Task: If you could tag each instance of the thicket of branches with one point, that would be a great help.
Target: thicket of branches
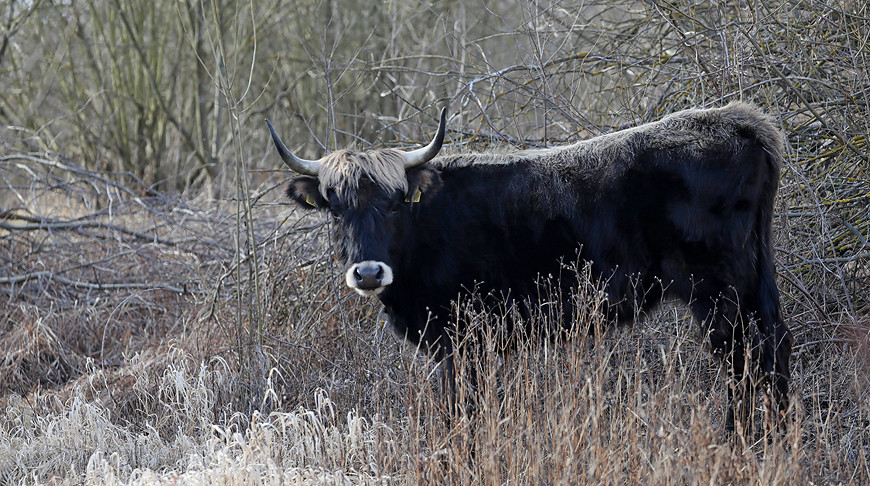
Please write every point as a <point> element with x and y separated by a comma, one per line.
<point>154,92</point>
<point>147,263</point>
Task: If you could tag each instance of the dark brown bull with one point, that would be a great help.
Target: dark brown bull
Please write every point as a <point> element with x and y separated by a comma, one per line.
<point>679,208</point>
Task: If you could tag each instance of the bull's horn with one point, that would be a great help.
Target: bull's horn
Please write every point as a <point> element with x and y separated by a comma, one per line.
<point>302,166</point>
<point>414,158</point>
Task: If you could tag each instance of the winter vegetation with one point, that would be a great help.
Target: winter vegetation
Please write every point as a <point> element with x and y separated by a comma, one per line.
<point>166,316</point>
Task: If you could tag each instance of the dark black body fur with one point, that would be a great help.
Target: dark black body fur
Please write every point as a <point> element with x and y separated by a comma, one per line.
<point>682,207</point>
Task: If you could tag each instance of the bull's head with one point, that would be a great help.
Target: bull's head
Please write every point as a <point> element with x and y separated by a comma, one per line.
<point>370,196</point>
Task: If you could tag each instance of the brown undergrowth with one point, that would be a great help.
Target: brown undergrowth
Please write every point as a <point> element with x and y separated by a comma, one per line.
<point>135,367</point>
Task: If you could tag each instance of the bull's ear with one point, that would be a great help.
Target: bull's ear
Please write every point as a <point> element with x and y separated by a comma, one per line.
<point>305,190</point>
<point>423,183</point>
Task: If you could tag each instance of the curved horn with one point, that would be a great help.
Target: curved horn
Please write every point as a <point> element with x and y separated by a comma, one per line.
<point>302,166</point>
<point>420,156</point>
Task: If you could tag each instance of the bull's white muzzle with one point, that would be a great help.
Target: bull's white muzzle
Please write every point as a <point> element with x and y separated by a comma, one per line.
<point>369,278</point>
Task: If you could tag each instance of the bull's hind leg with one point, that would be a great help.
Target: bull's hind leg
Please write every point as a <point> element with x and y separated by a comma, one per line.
<point>775,347</point>
<point>728,329</point>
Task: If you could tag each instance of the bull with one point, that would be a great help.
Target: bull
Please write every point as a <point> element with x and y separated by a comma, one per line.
<point>677,208</point>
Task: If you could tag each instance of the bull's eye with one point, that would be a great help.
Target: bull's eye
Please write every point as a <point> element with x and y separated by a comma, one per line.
<point>394,208</point>
<point>335,205</point>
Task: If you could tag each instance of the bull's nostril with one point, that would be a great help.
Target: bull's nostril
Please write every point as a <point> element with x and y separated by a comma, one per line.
<point>380,274</point>
<point>357,275</point>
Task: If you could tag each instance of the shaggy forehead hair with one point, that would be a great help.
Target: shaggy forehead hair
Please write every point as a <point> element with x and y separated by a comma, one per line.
<point>342,170</point>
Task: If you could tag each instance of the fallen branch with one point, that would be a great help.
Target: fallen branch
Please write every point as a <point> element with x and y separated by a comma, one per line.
<point>45,159</point>
<point>37,224</point>
<point>96,286</point>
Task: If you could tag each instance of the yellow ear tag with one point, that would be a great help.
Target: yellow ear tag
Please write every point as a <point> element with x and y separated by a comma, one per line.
<point>310,201</point>
<point>417,195</point>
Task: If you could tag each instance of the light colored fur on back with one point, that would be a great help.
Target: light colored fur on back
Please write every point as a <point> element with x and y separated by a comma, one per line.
<point>693,129</point>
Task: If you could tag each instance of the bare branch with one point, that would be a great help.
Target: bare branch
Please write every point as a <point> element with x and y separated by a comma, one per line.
<point>39,224</point>
<point>17,279</point>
